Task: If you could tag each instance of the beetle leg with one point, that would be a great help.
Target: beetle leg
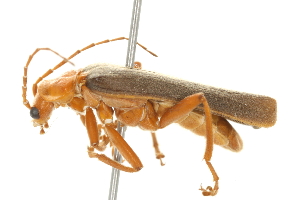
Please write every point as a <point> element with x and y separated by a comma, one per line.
<point>181,109</point>
<point>209,191</point>
<point>125,150</point>
<point>150,122</point>
<point>110,162</point>
<point>159,155</point>
<point>115,138</point>
<point>91,126</point>
<point>103,139</point>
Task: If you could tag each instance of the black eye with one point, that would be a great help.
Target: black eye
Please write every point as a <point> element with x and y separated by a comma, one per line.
<point>34,113</point>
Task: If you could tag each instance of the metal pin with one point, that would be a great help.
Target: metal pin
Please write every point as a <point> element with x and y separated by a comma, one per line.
<point>136,11</point>
<point>115,173</point>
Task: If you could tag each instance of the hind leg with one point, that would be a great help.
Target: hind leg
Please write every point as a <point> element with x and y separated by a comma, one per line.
<point>180,110</point>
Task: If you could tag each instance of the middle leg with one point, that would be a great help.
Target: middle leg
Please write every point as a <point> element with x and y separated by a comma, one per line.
<point>158,153</point>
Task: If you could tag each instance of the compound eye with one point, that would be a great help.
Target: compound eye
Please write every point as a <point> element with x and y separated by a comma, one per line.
<point>34,113</point>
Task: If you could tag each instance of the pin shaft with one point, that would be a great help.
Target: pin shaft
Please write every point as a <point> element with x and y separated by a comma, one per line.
<point>115,174</point>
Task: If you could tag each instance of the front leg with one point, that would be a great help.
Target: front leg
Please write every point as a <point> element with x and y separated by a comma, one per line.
<point>116,139</point>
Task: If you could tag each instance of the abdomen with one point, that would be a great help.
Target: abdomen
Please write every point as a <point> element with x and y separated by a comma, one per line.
<point>224,133</point>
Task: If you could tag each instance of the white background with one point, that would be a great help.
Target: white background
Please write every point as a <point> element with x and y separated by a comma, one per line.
<point>250,46</point>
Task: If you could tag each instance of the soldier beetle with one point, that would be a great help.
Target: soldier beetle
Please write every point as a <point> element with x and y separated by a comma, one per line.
<point>149,100</point>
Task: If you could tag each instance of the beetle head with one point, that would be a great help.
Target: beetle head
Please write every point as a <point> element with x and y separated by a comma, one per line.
<point>41,112</point>
<point>50,94</point>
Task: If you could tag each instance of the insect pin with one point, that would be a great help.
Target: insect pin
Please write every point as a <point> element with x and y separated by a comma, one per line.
<point>149,100</point>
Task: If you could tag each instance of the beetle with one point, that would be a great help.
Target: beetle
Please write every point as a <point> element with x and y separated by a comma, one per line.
<point>149,100</point>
